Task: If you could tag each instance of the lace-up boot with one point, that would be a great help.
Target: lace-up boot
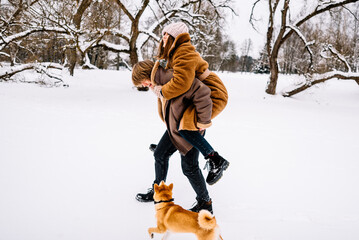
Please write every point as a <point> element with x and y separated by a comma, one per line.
<point>201,204</point>
<point>216,164</point>
<point>145,197</point>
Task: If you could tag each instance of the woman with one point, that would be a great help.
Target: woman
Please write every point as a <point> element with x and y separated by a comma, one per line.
<point>181,56</point>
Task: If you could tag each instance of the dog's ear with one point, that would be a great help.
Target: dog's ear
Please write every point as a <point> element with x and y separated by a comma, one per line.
<point>155,187</point>
<point>171,186</point>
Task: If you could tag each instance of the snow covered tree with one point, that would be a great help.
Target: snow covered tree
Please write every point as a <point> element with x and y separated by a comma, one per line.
<point>144,22</point>
<point>246,61</point>
<point>17,24</point>
<point>262,65</point>
<point>214,47</point>
<point>90,29</point>
<point>281,28</point>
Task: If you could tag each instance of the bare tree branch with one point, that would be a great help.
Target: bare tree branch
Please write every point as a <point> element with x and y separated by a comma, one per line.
<point>325,6</point>
<point>125,10</point>
<point>306,43</point>
<point>5,74</point>
<point>21,35</point>
<point>80,11</point>
<point>339,56</point>
<point>320,78</point>
<point>251,18</point>
<point>20,8</point>
<point>273,46</point>
<point>42,68</point>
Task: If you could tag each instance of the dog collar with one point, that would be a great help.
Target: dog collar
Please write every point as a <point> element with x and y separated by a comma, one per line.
<point>162,201</point>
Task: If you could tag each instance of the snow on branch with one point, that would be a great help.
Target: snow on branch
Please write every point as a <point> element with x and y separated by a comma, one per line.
<point>19,9</point>
<point>322,6</point>
<point>7,73</point>
<point>47,77</point>
<point>5,54</point>
<point>150,34</point>
<point>119,33</point>
<point>329,3</point>
<point>330,48</point>
<point>320,78</point>
<point>306,43</point>
<point>167,15</point>
<point>4,41</point>
<point>87,64</point>
<point>113,47</point>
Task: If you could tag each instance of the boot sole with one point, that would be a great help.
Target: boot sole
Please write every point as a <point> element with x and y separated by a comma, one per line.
<point>142,200</point>
<point>225,166</point>
<point>200,210</point>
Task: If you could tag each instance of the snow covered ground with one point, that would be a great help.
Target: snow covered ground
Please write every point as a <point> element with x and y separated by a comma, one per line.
<point>72,160</point>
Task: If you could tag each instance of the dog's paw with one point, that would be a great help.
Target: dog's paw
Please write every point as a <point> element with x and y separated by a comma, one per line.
<point>150,233</point>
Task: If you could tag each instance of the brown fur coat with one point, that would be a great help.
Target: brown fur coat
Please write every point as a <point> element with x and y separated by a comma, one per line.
<point>171,111</point>
<point>188,64</point>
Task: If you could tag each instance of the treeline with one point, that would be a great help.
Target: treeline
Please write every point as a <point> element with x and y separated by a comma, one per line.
<point>111,34</point>
<point>106,34</point>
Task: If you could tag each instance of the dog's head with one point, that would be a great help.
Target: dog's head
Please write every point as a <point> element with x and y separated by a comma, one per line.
<point>162,192</point>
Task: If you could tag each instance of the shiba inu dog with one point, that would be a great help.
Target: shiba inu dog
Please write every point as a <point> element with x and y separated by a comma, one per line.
<point>173,218</point>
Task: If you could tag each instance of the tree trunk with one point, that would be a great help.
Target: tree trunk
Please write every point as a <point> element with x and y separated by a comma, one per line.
<point>273,55</point>
<point>133,55</point>
<point>72,57</point>
<point>273,79</point>
<point>133,42</point>
<point>71,60</point>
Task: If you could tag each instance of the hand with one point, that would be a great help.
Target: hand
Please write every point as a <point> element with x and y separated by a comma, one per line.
<point>157,90</point>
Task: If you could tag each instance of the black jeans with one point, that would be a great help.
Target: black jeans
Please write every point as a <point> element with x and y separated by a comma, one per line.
<point>198,141</point>
<point>189,162</point>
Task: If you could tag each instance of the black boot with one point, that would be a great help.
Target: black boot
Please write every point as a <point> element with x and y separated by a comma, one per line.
<point>217,165</point>
<point>201,204</point>
<point>153,147</point>
<point>145,197</point>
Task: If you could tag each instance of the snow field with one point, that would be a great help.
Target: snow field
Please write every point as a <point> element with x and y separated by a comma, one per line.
<point>72,160</point>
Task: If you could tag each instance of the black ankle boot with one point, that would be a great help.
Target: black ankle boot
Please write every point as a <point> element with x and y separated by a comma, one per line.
<point>217,165</point>
<point>145,197</point>
<point>153,147</point>
<point>202,205</point>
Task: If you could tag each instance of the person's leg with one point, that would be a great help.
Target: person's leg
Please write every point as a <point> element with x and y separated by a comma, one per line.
<point>192,171</point>
<point>162,153</point>
<point>164,150</point>
<point>198,141</point>
<point>216,163</point>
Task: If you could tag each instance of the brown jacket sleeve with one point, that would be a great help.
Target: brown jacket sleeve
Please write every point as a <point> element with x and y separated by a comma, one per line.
<point>201,98</point>
<point>184,65</point>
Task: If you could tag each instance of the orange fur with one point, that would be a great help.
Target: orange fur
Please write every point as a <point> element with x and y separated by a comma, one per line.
<point>173,218</point>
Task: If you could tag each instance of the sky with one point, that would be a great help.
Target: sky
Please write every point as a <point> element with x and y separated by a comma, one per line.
<point>239,28</point>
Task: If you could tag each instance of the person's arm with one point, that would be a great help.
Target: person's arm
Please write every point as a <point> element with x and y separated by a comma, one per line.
<point>203,104</point>
<point>184,71</point>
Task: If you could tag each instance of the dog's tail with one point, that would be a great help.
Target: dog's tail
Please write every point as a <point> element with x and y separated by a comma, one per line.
<point>206,220</point>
